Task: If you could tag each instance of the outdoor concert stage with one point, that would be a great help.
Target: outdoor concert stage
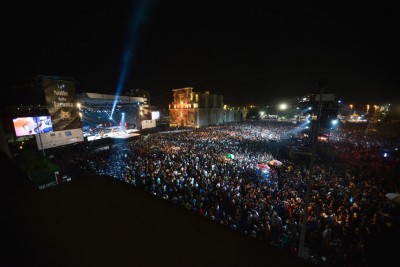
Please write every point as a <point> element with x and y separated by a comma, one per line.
<point>113,132</point>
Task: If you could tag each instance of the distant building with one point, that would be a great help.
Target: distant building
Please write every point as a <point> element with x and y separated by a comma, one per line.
<point>195,109</point>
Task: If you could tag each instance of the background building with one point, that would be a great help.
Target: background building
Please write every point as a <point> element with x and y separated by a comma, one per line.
<point>195,109</point>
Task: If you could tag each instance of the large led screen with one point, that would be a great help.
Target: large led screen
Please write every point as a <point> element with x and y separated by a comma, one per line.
<point>155,115</point>
<point>32,125</point>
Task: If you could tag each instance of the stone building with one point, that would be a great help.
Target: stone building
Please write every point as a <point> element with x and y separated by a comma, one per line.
<point>195,109</point>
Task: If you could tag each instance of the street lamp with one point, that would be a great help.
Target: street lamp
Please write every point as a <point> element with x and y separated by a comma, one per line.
<point>283,106</point>
<point>306,203</point>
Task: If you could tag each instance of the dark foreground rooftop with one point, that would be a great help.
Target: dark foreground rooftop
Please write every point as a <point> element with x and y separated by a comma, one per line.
<point>99,221</point>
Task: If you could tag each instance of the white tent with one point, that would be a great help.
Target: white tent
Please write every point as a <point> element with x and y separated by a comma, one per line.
<point>275,162</point>
<point>393,196</point>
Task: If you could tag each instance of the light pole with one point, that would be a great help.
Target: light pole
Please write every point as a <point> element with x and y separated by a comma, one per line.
<point>282,107</point>
<point>302,252</point>
<point>40,135</point>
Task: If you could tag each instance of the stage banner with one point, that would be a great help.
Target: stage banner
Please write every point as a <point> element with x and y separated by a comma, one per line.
<point>60,138</point>
<point>61,103</point>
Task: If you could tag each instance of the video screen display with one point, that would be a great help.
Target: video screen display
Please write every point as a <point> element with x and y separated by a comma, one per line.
<point>155,115</point>
<point>32,125</point>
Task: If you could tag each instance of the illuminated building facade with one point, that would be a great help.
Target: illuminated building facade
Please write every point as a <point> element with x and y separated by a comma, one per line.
<point>195,109</point>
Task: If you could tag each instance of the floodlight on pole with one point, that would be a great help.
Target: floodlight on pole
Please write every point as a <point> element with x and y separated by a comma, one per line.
<point>283,106</point>
<point>302,251</point>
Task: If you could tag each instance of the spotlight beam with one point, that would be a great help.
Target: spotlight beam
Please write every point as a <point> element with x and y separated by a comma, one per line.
<point>139,13</point>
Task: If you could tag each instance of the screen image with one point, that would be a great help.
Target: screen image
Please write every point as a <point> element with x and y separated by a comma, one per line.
<point>32,125</point>
<point>155,115</point>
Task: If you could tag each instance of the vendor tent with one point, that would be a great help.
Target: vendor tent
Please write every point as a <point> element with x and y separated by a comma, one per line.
<point>394,197</point>
<point>263,166</point>
<point>275,162</point>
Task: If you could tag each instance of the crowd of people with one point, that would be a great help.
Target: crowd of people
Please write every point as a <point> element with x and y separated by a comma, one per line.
<point>348,214</point>
<point>375,145</point>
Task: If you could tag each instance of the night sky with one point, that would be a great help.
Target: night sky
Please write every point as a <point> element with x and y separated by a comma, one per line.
<point>252,53</point>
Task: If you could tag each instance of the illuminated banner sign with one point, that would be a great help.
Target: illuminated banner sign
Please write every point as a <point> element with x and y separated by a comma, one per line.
<point>61,103</point>
<point>148,124</point>
<point>60,138</point>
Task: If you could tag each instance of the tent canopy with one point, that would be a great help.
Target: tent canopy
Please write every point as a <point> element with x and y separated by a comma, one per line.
<point>275,162</point>
<point>263,166</point>
<point>394,197</point>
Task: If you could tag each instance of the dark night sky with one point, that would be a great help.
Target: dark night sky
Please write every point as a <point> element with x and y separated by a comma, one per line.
<point>252,53</point>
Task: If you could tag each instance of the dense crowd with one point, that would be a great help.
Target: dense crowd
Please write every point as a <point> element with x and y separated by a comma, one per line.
<point>348,214</point>
<point>375,145</point>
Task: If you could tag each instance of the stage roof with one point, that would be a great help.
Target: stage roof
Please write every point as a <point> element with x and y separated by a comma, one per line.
<point>93,97</point>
